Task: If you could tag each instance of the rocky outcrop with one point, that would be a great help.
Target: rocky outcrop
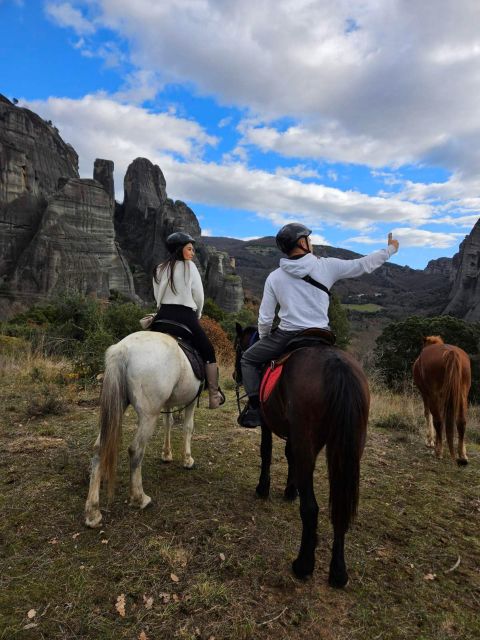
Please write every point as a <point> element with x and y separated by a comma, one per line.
<point>464,299</point>
<point>74,248</point>
<point>223,285</point>
<point>103,173</point>
<point>440,266</point>
<point>33,158</point>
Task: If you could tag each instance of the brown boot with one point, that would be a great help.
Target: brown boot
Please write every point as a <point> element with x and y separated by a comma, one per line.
<point>215,394</point>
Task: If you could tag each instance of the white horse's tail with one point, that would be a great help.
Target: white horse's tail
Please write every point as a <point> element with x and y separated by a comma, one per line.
<point>113,402</point>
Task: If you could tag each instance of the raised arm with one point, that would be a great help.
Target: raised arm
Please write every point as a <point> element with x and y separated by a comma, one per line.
<point>354,268</point>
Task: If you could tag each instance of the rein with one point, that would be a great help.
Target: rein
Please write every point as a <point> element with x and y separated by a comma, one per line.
<point>239,352</point>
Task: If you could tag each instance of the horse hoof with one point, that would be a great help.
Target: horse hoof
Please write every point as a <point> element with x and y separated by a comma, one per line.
<point>167,459</point>
<point>262,491</point>
<point>338,581</point>
<point>290,493</point>
<point>145,502</point>
<point>93,521</point>
<point>462,462</point>
<point>300,570</point>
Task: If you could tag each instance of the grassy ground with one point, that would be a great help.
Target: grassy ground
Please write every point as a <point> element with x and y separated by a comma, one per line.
<point>210,561</point>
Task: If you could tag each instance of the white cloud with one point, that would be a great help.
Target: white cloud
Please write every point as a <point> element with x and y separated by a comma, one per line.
<point>65,15</point>
<point>400,86</point>
<point>409,237</point>
<point>299,171</point>
<point>98,126</point>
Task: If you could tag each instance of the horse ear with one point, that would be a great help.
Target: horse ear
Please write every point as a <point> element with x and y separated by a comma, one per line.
<point>238,328</point>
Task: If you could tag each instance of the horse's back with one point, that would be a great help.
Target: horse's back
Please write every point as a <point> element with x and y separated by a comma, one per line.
<point>429,369</point>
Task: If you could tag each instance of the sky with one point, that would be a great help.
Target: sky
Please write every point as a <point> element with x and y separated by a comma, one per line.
<point>355,117</point>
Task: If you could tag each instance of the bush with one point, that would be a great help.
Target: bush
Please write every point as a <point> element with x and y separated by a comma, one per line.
<point>339,322</point>
<point>212,310</point>
<point>222,345</point>
<point>48,402</point>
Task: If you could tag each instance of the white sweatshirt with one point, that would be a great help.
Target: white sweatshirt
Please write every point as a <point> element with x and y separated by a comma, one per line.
<point>188,285</point>
<point>302,305</point>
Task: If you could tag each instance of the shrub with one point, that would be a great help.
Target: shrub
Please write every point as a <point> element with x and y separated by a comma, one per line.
<point>339,322</point>
<point>47,402</point>
<point>222,344</point>
<point>212,310</point>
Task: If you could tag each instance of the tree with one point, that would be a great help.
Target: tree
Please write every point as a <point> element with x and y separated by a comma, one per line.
<point>339,322</point>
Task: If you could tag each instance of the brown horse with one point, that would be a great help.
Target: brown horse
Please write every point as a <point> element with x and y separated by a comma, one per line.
<point>442,373</point>
<point>321,399</point>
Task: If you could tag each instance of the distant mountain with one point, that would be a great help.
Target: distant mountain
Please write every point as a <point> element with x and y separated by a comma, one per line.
<point>400,291</point>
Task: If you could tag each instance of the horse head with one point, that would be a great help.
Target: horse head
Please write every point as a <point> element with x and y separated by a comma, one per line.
<point>244,338</point>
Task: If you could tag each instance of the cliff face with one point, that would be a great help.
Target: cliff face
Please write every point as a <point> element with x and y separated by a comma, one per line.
<point>464,298</point>
<point>74,248</point>
<point>32,159</point>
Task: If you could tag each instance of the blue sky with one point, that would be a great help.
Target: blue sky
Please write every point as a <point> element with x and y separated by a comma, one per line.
<point>356,118</point>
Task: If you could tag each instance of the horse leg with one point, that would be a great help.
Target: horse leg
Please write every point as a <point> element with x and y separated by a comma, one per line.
<point>167,449</point>
<point>438,426</point>
<point>263,486</point>
<point>146,426</point>
<point>430,434</point>
<point>290,492</point>
<point>462,459</point>
<point>304,564</point>
<point>338,576</point>
<point>93,517</point>
<point>188,461</point>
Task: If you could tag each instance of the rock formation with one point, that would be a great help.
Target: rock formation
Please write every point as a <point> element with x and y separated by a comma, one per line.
<point>59,232</point>
<point>74,248</point>
<point>32,159</point>
<point>440,266</point>
<point>464,299</point>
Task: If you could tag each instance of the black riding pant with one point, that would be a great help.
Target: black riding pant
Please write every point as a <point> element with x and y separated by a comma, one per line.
<point>188,317</point>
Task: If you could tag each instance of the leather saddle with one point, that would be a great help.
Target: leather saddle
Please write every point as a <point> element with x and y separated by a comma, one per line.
<point>307,338</point>
<point>184,338</point>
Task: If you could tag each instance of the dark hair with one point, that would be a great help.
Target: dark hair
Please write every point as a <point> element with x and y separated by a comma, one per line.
<point>169,265</point>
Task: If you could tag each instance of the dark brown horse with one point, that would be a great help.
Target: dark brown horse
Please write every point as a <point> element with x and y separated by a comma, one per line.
<point>322,399</point>
<point>442,374</point>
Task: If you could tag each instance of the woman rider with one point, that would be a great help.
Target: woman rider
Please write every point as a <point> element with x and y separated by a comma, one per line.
<point>178,291</point>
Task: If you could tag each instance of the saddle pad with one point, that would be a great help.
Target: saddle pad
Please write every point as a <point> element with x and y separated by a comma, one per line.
<point>196,362</point>
<point>269,380</point>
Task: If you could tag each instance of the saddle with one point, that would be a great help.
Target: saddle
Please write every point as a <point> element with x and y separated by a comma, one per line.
<point>307,338</point>
<point>183,336</point>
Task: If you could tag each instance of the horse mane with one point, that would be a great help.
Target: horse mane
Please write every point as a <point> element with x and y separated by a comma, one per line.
<point>432,340</point>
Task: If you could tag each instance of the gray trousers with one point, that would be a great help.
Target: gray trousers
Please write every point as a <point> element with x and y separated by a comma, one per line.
<point>266,349</point>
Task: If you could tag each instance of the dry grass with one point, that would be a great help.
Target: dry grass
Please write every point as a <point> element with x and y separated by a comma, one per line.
<point>209,560</point>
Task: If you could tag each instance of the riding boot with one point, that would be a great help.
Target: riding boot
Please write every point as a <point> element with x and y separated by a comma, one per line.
<point>215,394</point>
<point>250,416</point>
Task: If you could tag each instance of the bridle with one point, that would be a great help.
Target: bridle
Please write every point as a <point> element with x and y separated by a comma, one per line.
<point>239,351</point>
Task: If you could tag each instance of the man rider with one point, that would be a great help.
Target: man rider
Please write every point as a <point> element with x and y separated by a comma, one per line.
<point>303,305</point>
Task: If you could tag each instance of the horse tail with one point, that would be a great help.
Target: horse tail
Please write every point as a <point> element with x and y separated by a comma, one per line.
<point>452,392</point>
<point>113,402</point>
<point>347,413</point>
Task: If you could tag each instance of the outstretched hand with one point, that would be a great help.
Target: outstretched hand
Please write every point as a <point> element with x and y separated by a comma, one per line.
<point>393,242</point>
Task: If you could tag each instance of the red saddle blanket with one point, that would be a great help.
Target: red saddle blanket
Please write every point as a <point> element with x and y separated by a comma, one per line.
<point>269,380</point>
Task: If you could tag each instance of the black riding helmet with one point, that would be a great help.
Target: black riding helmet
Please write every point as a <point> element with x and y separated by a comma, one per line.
<point>290,234</point>
<point>178,240</point>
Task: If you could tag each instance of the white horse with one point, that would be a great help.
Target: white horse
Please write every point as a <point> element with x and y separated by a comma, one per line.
<point>148,370</point>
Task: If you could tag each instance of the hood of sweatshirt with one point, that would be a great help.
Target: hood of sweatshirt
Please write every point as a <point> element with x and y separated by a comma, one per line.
<point>299,268</point>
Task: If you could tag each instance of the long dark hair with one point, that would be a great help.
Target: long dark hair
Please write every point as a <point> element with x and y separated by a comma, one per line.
<point>169,265</point>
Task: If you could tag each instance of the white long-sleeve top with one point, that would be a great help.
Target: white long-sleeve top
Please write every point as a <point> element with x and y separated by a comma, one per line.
<point>303,305</point>
<point>188,285</point>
